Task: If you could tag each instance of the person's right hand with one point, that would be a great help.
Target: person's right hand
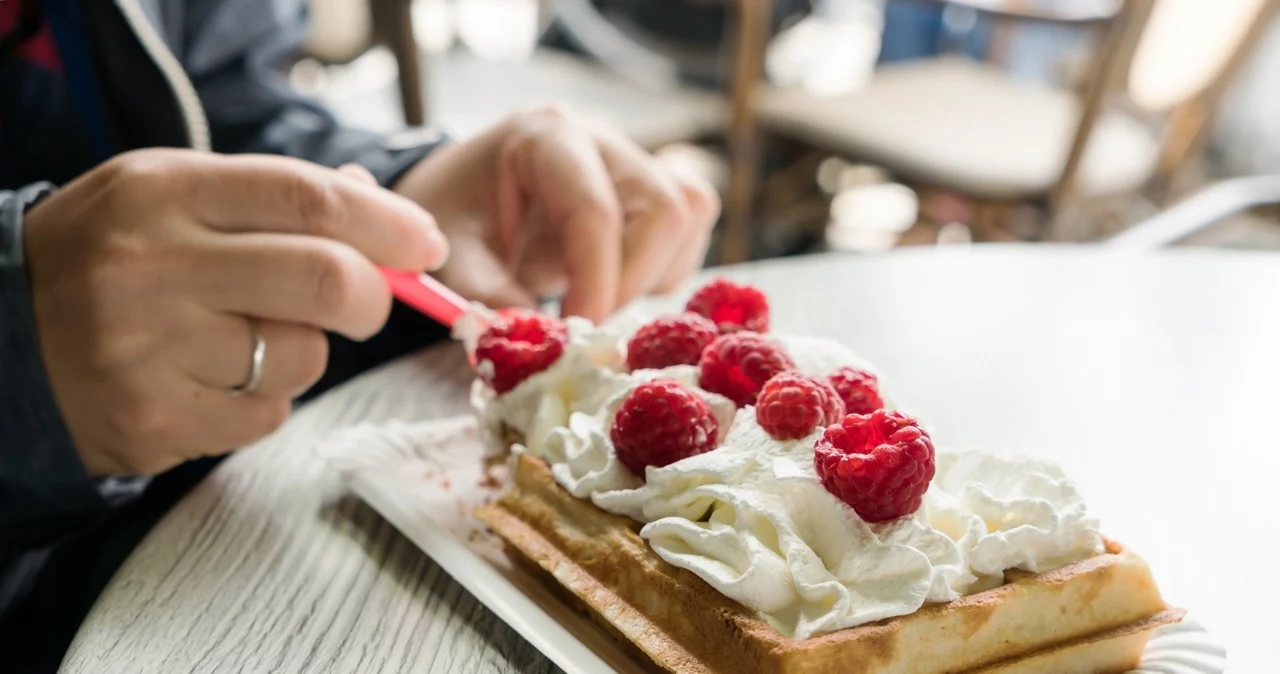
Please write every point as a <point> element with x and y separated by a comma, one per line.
<point>149,273</point>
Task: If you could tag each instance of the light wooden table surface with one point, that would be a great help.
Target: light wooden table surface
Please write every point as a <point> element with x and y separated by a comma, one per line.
<point>1153,380</point>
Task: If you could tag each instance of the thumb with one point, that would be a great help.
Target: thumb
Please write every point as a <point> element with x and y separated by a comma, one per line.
<point>474,272</point>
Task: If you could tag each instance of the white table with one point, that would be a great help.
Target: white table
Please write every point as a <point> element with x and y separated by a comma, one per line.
<point>1153,380</point>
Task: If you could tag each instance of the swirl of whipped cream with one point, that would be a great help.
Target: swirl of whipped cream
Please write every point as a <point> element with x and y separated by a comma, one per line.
<point>1020,513</point>
<point>580,453</point>
<point>751,517</point>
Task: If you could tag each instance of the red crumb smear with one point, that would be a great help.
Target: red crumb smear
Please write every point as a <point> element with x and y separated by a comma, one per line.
<point>446,484</point>
<point>492,462</point>
<point>492,476</point>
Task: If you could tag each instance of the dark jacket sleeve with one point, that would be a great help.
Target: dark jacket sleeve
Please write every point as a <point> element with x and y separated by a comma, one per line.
<point>233,51</point>
<point>44,489</point>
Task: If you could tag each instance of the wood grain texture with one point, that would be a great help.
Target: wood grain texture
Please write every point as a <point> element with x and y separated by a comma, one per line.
<point>1150,379</point>
<point>270,566</point>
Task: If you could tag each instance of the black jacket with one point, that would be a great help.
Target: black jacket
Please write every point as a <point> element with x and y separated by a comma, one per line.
<point>171,73</point>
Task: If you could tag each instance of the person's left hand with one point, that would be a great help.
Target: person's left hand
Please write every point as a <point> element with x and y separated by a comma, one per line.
<point>549,202</point>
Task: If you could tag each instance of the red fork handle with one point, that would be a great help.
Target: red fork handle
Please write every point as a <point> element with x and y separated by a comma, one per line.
<point>427,295</point>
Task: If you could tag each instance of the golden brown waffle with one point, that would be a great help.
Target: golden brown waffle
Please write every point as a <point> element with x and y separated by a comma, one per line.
<point>1094,616</point>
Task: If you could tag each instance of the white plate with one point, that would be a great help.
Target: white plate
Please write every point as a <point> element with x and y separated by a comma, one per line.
<point>427,478</point>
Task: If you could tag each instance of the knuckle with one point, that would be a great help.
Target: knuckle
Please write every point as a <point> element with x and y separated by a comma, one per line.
<point>606,212</point>
<point>554,111</point>
<point>704,202</point>
<point>136,163</point>
<point>332,280</point>
<point>138,174</point>
<point>317,202</point>
<point>542,118</point>
<point>312,352</point>
<point>673,211</point>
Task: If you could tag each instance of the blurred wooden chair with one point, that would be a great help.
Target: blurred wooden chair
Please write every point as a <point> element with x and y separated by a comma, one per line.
<point>966,127</point>
<point>465,93</point>
<point>344,30</point>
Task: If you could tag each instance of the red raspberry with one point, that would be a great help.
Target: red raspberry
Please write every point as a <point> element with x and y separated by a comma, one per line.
<point>661,422</point>
<point>859,389</point>
<point>792,404</point>
<point>879,463</point>
<point>731,306</point>
<point>671,340</point>
<point>737,365</point>
<point>518,344</point>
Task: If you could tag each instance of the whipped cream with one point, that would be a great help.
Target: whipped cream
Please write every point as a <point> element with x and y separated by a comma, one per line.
<point>752,519</point>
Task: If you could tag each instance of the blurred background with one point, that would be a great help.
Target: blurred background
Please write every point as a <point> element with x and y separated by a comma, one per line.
<point>863,125</point>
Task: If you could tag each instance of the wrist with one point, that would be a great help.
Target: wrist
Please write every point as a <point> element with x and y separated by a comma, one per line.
<point>46,463</point>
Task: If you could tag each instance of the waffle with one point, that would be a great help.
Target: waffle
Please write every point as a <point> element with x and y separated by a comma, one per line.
<point>1093,616</point>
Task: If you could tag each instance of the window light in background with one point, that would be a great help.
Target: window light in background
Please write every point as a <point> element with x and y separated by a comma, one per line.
<point>435,25</point>
<point>831,52</point>
<point>1184,47</point>
<point>340,30</point>
<point>868,211</point>
<point>500,30</point>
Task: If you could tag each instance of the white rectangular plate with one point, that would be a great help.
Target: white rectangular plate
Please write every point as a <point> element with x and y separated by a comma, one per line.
<point>427,479</point>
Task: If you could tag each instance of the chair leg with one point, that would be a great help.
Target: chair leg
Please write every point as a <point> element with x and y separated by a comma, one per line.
<point>393,22</point>
<point>750,38</point>
<point>736,244</point>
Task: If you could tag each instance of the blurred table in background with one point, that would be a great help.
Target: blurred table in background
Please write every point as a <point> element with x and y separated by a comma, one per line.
<point>1150,378</point>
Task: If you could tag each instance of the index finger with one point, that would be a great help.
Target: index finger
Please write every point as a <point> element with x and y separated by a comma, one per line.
<point>278,194</point>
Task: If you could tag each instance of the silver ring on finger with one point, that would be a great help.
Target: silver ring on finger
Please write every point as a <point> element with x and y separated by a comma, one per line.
<point>256,361</point>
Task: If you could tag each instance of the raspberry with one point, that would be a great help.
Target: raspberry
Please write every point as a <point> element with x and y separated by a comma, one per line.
<point>661,422</point>
<point>792,404</point>
<point>860,390</point>
<point>879,463</point>
<point>737,365</point>
<point>672,340</point>
<point>731,307</point>
<point>518,344</point>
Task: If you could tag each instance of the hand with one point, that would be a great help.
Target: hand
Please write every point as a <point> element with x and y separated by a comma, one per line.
<point>149,273</point>
<point>551,202</point>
